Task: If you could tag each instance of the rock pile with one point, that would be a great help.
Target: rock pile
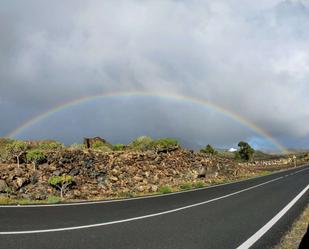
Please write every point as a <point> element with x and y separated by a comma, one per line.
<point>100,175</point>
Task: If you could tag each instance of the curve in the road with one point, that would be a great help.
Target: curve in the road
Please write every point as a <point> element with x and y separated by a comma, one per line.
<point>153,214</point>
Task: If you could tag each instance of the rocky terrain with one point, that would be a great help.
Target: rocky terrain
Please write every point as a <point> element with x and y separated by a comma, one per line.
<point>99,175</point>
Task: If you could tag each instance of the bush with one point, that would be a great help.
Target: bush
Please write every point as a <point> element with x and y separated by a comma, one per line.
<point>199,185</point>
<point>165,190</point>
<point>164,143</point>
<point>185,186</point>
<point>99,145</point>
<point>50,146</point>
<point>142,143</point>
<point>209,150</point>
<point>117,147</point>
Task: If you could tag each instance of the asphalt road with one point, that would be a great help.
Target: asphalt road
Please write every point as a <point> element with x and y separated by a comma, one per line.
<point>253,213</point>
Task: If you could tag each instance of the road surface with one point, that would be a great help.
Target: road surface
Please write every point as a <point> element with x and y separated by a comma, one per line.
<point>248,214</point>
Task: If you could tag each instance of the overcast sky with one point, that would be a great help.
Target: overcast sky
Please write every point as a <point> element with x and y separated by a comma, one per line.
<point>250,57</point>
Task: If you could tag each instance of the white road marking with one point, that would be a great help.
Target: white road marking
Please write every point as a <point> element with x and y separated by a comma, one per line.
<point>255,237</point>
<point>144,197</point>
<point>139,217</point>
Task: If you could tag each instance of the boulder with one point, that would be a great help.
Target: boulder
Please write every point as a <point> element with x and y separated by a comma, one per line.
<point>74,172</point>
<point>21,182</point>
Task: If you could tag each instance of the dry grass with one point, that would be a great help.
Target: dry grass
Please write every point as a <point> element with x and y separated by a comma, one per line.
<point>292,238</point>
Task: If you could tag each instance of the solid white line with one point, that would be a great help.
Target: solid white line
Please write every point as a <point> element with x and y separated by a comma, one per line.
<point>139,217</point>
<point>145,197</point>
<point>255,237</point>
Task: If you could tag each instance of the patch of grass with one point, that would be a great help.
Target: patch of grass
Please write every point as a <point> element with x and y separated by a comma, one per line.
<point>53,199</point>
<point>126,195</point>
<point>198,185</point>
<point>298,230</point>
<point>5,200</point>
<point>263,173</point>
<point>165,190</point>
<point>185,186</point>
<point>11,201</point>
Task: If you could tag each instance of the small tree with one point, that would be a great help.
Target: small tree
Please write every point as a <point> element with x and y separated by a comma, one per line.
<point>209,150</point>
<point>17,149</point>
<point>35,156</point>
<point>61,182</point>
<point>245,151</point>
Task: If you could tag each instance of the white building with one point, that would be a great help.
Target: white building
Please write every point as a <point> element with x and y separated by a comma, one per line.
<point>232,150</point>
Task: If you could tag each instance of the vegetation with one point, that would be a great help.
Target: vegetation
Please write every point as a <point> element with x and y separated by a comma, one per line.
<point>17,149</point>
<point>293,238</point>
<point>23,201</point>
<point>245,151</point>
<point>118,147</point>
<point>99,145</point>
<point>142,143</point>
<point>209,150</point>
<point>126,194</point>
<point>4,153</point>
<point>164,143</point>
<point>62,183</point>
<point>8,190</point>
<point>165,190</point>
<point>185,186</point>
<point>36,156</point>
<point>77,146</point>
<point>198,185</point>
<point>50,145</point>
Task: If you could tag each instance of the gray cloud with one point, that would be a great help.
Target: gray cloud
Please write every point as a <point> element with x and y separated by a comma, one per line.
<point>251,58</point>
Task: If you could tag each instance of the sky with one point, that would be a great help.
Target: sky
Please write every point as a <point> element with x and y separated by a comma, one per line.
<point>248,57</point>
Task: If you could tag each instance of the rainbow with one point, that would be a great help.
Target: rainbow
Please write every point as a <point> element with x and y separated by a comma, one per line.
<point>194,100</point>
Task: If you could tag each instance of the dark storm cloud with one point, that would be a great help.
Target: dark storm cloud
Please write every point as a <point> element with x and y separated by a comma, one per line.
<point>251,58</point>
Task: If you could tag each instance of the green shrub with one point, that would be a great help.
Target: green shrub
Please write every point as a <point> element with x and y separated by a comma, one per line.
<point>62,183</point>
<point>164,143</point>
<point>117,147</point>
<point>99,145</point>
<point>185,186</point>
<point>142,143</point>
<point>165,190</point>
<point>199,185</point>
<point>8,191</point>
<point>50,146</point>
